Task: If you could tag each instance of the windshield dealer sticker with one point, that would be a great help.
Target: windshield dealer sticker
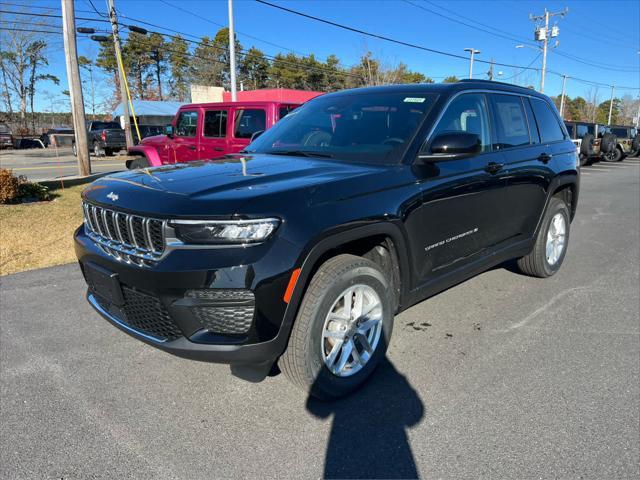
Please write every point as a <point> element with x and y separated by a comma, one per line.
<point>414,99</point>
<point>451,239</point>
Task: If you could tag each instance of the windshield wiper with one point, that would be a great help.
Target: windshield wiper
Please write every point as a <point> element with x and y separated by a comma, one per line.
<point>300,153</point>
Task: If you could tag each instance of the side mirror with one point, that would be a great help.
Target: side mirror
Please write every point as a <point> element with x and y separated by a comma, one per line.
<point>255,135</point>
<point>168,131</point>
<point>452,146</point>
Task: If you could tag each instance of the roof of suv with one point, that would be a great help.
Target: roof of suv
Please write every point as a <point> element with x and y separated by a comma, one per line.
<point>466,84</point>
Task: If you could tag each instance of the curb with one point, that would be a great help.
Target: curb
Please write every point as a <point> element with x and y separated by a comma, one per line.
<point>71,181</point>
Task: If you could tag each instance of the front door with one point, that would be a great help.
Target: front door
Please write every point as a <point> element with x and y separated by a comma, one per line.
<point>185,140</point>
<point>214,143</point>
<point>461,210</point>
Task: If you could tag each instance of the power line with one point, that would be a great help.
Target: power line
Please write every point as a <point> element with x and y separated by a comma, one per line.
<point>29,30</point>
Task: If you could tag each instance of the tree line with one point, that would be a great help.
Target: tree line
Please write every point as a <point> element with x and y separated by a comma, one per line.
<point>163,69</point>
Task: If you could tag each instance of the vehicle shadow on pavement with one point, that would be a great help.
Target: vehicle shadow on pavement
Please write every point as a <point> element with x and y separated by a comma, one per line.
<point>368,436</point>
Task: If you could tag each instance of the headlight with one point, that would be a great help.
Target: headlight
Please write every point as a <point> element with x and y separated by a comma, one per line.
<point>224,231</point>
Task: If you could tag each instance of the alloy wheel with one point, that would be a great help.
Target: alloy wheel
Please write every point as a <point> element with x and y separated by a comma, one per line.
<point>556,237</point>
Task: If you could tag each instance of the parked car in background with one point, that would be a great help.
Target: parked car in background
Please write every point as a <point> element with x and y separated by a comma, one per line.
<point>628,142</point>
<point>104,138</point>
<point>6,137</point>
<point>148,131</point>
<point>592,141</point>
<point>49,137</point>
<point>208,130</point>
<point>299,251</point>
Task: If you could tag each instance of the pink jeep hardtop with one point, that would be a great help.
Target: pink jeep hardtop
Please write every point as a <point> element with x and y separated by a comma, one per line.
<point>202,131</point>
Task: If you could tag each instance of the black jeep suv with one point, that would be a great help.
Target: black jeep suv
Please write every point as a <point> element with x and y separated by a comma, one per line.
<point>296,254</point>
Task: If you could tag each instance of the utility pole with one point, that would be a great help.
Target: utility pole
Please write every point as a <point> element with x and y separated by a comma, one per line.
<point>490,72</point>
<point>611,104</point>
<point>75,87</point>
<point>232,53</point>
<point>564,84</point>
<point>543,34</point>
<point>472,52</point>
<point>123,87</point>
<point>638,117</point>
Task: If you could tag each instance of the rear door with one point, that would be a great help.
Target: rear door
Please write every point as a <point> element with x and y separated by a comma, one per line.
<point>525,167</point>
<point>214,142</point>
<point>246,122</point>
<point>185,140</point>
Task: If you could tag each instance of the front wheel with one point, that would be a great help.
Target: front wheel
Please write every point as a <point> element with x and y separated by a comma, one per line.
<point>342,329</point>
<point>551,242</point>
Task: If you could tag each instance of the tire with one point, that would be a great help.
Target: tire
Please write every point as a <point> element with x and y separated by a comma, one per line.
<point>305,360</point>
<point>584,160</point>
<point>140,162</point>
<point>97,151</point>
<point>537,263</point>
<point>608,143</point>
<point>74,149</point>
<point>586,146</point>
<point>635,146</point>
<point>615,156</point>
<point>108,152</point>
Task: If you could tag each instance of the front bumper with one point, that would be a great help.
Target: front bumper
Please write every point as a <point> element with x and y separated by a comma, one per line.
<point>165,292</point>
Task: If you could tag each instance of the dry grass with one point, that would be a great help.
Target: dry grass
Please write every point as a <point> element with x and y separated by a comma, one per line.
<point>36,235</point>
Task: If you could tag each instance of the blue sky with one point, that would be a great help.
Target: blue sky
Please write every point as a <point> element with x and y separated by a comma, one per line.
<point>583,33</point>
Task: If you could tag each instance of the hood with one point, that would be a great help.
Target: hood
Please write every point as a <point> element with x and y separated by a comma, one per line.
<point>153,140</point>
<point>219,187</point>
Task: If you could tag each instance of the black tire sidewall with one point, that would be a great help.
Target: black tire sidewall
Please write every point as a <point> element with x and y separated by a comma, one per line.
<point>326,384</point>
<point>555,206</point>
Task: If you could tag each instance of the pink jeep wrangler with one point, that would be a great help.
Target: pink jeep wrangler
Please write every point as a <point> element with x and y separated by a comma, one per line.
<point>208,130</point>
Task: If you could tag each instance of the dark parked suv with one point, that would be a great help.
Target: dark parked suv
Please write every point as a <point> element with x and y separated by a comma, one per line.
<point>296,253</point>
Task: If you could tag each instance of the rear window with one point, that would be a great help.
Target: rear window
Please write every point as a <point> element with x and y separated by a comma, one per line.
<point>510,123</point>
<point>105,125</point>
<point>548,125</point>
<point>619,132</point>
<point>582,130</point>
<point>249,121</point>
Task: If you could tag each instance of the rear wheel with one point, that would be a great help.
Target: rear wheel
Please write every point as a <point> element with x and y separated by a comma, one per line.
<point>551,243</point>
<point>342,329</point>
<point>74,149</point>
<point>108,152</point>
<point>97,151</point>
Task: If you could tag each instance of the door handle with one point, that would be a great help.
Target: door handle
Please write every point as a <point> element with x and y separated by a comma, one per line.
<point>544,157</point>
<point>191,147</point>
<point>218,149</point>
<point>493,167</point>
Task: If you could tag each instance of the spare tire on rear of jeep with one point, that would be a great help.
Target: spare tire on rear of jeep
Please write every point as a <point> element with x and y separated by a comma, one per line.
<point>635,146</point>
<point>608,143</point>
<point>586,148</point>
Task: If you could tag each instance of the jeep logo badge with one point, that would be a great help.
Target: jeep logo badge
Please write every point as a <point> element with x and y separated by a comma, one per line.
<point>112,196</point>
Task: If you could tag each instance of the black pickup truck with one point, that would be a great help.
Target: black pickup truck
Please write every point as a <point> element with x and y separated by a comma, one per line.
<point>296,253</point>
<point>104,138</point>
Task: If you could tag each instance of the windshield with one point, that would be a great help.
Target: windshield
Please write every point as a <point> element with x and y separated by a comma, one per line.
<point>370,127</point>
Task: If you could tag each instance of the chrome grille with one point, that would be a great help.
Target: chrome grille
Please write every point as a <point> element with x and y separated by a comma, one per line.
<point>128,238</point>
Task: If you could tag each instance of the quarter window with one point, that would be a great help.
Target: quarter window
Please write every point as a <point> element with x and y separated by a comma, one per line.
<point>249,121</point>
<point>510,123</point>
<point>187,124</point>
<point>548,125</point>
<point>467,113</point>
<point>215,123</point>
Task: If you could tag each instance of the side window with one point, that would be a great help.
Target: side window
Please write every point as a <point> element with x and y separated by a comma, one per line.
<point>187,124</point>
<point>249,121</point>
<point>570,129</point>
<point>285,109</point>
<point>550,130</point>
<point>510,123</point>
<point>467,113</point>
<point>215,123</point>
<point>582,130</point>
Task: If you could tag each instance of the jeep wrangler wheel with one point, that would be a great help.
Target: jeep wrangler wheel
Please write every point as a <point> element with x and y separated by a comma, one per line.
<point>551,242</point>
<point>342,329</point>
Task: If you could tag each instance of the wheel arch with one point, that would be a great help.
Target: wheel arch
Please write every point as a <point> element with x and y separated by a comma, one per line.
<point>150,153</point>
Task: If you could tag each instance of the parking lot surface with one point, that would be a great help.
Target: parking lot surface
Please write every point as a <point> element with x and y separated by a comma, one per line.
<point>51,163</point>
<point>502,376</point>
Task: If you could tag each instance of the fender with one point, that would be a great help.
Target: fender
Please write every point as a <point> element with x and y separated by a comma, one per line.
<point>569,177</point>
<point>335,239</point>
<point>147,151</point>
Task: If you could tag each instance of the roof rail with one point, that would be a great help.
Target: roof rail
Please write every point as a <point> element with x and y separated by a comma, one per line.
<point>493,82</point>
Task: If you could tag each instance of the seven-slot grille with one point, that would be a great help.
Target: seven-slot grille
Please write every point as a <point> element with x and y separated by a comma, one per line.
<point>128,238</point>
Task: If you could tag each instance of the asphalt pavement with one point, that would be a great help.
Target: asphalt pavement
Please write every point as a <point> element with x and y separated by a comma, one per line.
<point>39,164</point>
<point>503,376</point>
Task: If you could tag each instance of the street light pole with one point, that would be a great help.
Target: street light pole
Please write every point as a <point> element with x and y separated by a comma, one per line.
<point>564,83</point>
<point>232,53</point>
<point>472,52</point>
<point>611,105</point>
<point>75,87</point>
